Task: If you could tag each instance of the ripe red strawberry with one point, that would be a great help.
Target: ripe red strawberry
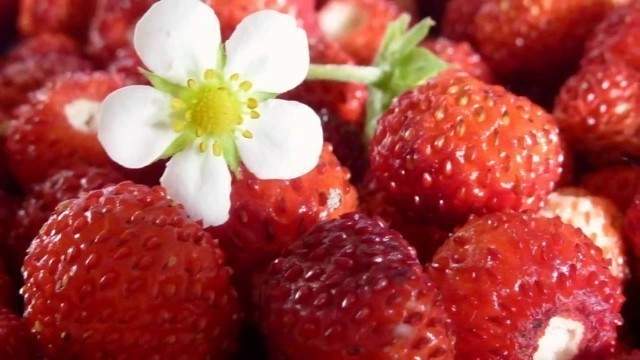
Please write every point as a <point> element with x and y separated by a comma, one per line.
<point>462,57</point>
<point>459,17</point>
<point>346,100</point>
<point>597,217</point>
<point>348,144</point>
<point>456,146</point>
<point>57,129</point>
<point>616,37</point>
<point>16,341</point>
<point>598,112</point>
<point>353,289</point>
<point>55,16</point>
<point>268,215</point>
<point>43,199</point>
<point>231,12</point>
<point>35,61</point>
<point>618,184</point>
<point>358,25</point>
<point>520,286</point>
<point>123,273</point>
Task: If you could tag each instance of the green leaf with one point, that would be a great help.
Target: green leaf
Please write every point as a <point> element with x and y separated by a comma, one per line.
<point>414,69</point>
<point>394,31</point>
<point>165,85</point>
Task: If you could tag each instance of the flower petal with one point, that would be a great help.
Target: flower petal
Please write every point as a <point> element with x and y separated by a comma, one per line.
<point>202,183</point>
<point>134,126</point>
<point>269,50</point>
<point>178,39</point>
<point>286,143</point>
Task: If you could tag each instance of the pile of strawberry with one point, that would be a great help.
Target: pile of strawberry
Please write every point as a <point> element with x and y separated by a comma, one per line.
<point>493,214</point>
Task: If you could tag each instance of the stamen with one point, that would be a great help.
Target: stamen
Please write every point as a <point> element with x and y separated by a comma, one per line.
<point>178,126</point>
<point>252,103</point>
<point>192,84</point>
<point>203,147</point>
<point>247,134</point>
<point>255,114</point>
<point>246,86</point>
<point>235,77</point>
<point>199,132</point>
<point>177,104</point>
<point>209,74</point>
<point>217,149</point>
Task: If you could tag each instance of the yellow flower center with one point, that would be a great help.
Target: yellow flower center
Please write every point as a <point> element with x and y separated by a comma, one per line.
<point>216,111</point>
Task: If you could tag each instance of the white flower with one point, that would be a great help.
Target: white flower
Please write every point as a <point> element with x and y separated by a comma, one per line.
<point>213,106</point>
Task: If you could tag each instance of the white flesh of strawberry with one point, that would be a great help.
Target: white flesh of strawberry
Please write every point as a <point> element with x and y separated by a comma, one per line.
<point>82,115</point>
<point>339,18</point>
<point>561,340</point>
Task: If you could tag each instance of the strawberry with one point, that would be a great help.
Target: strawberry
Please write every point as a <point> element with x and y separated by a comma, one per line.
<point>127,64</point>
<point>347,142</point>
<point>456,146</point>
<point>231,12</point>
<point>344,99</point>
<point>598,112</point>
<point>8,293</point>
<point>33,62</point>
<point>461,57</point>
<point>520,286</point>
<point>352,289</point>
<point>458,18</point>
<point>55,16</point>
<point>268,215</point>
<point>618,184</point>
<point>123,273</point>
<point>43,199</point>
<point>16,341</point>
<point>597,217</point>
<point>57,129</point>
<point>358,25</point>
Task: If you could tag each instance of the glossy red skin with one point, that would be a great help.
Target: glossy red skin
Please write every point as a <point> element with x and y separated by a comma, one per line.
<point>619,184</point>
<point>505,275</point>
<point>42,140</point>
<point>35,61</point>
<point>616,38</point>
<point>127,275</point>
<point>598,112</point>
<point>70,17</point>
<point>43,199</point>
<point>455,146</point>
<point>16,341</point>
<point>461,57</point>
<point>363,40</point>
<point>341,291</point>
<point>268,215</point>
<point>344,99</point>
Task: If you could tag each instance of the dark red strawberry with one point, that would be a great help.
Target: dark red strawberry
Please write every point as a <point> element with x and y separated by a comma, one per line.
<point>461,57</point>
<point>36,61</point>
<point>123,273</point>
<point>348,144</point>
<point>16,341</point>
<point>632,225</point>
<point>520,286</point>
<point>8,208</point>
<point>8,293</point>
<point>358,25</point>
<point>346,100</point>
<point>352,289</point>
<point>43,199</point>
<point>598,112</point>
<point>618,184</point>
<point>57,129</point>
<point>55,16</point>
<point>456,146</point>
<point>459,17</point>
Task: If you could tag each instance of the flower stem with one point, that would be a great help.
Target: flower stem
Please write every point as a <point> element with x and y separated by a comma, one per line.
<point>349,73</point>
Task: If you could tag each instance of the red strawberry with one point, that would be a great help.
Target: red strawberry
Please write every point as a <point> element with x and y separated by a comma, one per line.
<point>123,273</point>
<point>458,19</point>
<point>35,61</point>
<point>598,112</point>
<point>268,215</point>
<point>346,100</point>
<point>358,25</point>
<point>348,144</point>
<point>520,286</point>
<point>618,184</point>
<point>353,289</point>
<point>456,146</point>
<point>43,199</point>
<point>55,16</point>
<point>231,12</point>
<point>462,57</point>
<point>597,217</point>
<point>57,129</point>
<point>16,341</point>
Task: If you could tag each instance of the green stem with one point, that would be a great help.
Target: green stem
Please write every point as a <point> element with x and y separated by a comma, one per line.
<point>348,73</point>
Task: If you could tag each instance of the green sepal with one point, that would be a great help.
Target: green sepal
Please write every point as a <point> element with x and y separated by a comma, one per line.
<point>164,85</point>
<point>185,139</point>
<point>230,152</point>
